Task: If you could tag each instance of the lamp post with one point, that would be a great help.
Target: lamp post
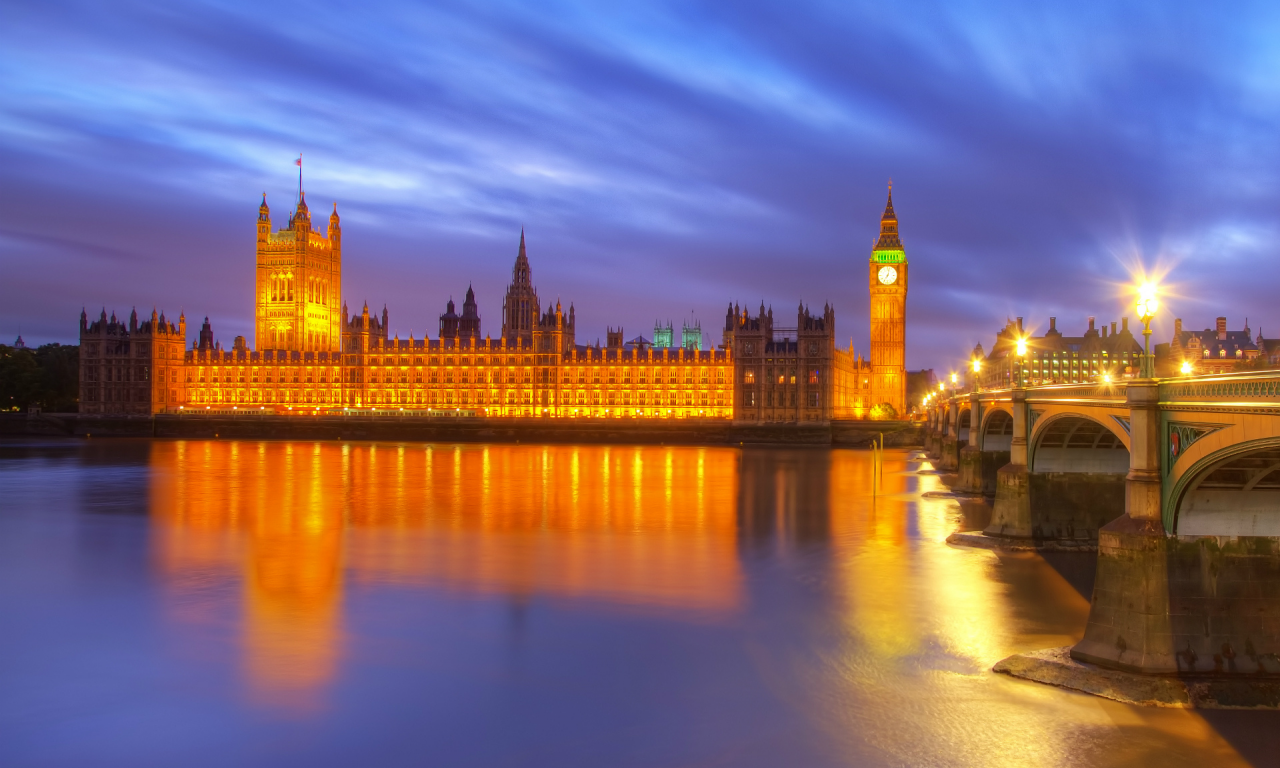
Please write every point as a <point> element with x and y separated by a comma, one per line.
<point>1147,306</point>
<point>977,369</point>
<point>1022,361</point>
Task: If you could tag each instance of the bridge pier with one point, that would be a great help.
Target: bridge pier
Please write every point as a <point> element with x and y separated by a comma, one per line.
<point>949,453</point>
<point>1178,604</point>
<point>1193,618</point>
<point>973,478</point>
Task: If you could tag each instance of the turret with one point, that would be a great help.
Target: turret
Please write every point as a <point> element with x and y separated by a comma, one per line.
<point>302,218</point>
<point>264,220</point>
<point>335,228</point>
<point>133,320</point>
<point>84,320</point>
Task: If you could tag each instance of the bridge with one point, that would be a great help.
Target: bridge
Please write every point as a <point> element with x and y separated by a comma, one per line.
<point>1178,483</point>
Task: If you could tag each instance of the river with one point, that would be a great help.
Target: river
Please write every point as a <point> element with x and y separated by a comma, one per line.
<point>294,603</point>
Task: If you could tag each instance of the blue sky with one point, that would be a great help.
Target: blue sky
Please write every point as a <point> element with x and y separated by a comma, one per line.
<point>664,158</point>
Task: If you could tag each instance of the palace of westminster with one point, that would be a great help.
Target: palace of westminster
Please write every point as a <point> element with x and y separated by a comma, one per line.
<point>311,355</point>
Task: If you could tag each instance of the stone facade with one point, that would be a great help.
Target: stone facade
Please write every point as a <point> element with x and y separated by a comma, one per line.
<point>136,368</point>
<point>311,354</point>
<point>298,293</point>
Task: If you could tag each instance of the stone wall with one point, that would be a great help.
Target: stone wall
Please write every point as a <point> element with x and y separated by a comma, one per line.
<point>1190,605</point>
<point>499,430</point>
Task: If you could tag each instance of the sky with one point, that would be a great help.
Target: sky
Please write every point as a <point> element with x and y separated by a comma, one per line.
<point>664,159</point>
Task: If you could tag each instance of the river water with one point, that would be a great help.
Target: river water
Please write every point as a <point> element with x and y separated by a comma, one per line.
<point>293,603</point>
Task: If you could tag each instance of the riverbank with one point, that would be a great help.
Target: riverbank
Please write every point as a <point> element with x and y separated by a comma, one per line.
<point>466,430</point>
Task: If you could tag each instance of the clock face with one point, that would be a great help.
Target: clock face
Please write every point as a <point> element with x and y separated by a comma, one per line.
<point>887,275</point>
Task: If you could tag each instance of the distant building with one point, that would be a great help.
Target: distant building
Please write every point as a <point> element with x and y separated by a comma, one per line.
<point>663,336</point>
<point>1057,359</point>
<point>691,336</point>
<point>464,326</point>
<point>1213,350</point>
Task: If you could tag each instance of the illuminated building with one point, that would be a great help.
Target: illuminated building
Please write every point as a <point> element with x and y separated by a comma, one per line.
<point>1213,350</point>
<point>1057,359</point>
<point>312,355</point>
<point>299,283</point>
<point>887,278</point>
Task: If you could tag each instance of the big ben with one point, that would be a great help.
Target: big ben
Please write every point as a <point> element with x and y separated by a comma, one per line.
<point>887,273</point>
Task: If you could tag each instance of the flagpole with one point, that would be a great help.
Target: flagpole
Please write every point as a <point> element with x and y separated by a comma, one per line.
<point>299,177</point>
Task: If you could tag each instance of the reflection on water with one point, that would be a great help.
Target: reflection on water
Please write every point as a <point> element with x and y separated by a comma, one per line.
<point>394,604</point>
<point>638,526</point>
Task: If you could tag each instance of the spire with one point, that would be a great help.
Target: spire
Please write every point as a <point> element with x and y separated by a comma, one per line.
<point>889,226</point>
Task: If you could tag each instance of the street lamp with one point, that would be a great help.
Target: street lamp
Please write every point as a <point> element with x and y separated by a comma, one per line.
<point>1022,361</point>
<point>1147,306</point>
<point>1186,367</point>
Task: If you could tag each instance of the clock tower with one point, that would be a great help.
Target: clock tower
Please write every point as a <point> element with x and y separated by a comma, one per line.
<point>887,272</point>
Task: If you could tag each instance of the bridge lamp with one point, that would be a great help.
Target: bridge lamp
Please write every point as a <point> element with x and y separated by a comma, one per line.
<point>1147,306</point>
<point>1022,360</point>
<point>1186,367</point>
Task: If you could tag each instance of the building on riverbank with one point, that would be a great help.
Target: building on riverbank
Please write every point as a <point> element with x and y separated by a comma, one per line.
<point>310,353</point>
<point>1095,355</point>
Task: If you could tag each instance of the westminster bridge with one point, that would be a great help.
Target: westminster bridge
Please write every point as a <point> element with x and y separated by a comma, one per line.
<point>1177,481</point>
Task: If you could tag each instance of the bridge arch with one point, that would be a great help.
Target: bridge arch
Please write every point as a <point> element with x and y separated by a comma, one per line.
<point>1072,442</point>
<point>996,430</point>
<point>963,424</point>
<point>1232,492</point>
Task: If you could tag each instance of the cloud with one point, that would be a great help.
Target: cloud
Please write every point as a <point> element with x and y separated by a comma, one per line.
<point>663,157</point>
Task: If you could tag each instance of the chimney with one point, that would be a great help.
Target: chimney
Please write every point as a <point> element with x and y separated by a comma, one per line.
<point>1177,327</point>
<point>1104,331</point>
<point>1091,319</point>
<point>1222,328</point>
<point>1124,324</point>
<point>1053,324</point>
<point>1113,328</point>
<point>1019,325</point>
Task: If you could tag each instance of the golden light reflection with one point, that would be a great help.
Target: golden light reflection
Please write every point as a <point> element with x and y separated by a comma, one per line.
<point>294,524</point>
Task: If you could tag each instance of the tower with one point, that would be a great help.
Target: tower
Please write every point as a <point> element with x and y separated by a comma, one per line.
<point>520,308</point>
<point>887,278</point>
<point>298,297</point>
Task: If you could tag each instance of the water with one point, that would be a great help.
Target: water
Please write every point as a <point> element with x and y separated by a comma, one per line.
<point>267,603</point>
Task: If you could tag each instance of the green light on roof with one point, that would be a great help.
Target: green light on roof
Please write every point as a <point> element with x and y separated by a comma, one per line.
<point>889,257</point>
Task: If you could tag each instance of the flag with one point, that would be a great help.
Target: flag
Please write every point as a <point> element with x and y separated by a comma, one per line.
<point>298,162</point>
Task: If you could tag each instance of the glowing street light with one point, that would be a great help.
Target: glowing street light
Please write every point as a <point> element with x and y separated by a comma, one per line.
<point>1147,306</point>
<point>1022,360</point>
<point>1186,367</point>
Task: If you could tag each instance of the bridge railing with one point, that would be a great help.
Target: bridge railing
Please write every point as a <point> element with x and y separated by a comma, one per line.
<point>1261,388</point>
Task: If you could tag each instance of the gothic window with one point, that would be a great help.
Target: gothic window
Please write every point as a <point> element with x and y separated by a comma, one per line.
<point>719,376</point>
<point>749,376</point>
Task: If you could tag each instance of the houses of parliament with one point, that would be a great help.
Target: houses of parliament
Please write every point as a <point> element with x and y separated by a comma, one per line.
<point>313,355</point>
